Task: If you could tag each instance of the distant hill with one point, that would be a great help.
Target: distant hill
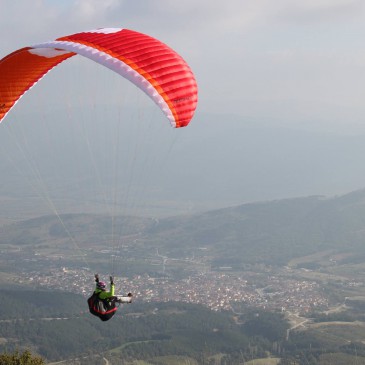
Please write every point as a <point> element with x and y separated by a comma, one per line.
<point>271,232</point>
<point>86,228</point>
<point>266,232</point>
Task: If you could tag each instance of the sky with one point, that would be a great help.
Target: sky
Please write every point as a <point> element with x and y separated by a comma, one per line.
<point>260,59</point>
<point>283,65</point>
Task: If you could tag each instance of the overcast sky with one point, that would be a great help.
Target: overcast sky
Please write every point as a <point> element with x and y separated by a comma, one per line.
<point>275,63</point>
<point>282,61</point>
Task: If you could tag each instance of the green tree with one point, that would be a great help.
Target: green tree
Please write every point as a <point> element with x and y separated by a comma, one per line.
<point>25,358</point>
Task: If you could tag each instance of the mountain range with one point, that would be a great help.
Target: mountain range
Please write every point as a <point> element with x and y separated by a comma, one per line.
<point>272,232</point>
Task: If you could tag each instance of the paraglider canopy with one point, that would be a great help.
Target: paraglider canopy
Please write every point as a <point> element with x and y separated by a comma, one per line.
<point>150,64</point>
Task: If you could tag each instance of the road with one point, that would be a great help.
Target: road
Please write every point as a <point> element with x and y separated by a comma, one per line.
<point>297,322</point>
<point>106,361</point>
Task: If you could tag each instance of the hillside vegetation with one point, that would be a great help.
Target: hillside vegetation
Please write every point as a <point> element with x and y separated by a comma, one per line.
<point>58,326</point>
<point>165,333</point>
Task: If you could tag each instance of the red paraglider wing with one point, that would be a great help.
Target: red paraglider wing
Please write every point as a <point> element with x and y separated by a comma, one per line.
<point>20,70</point>
<point>150,64</point>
